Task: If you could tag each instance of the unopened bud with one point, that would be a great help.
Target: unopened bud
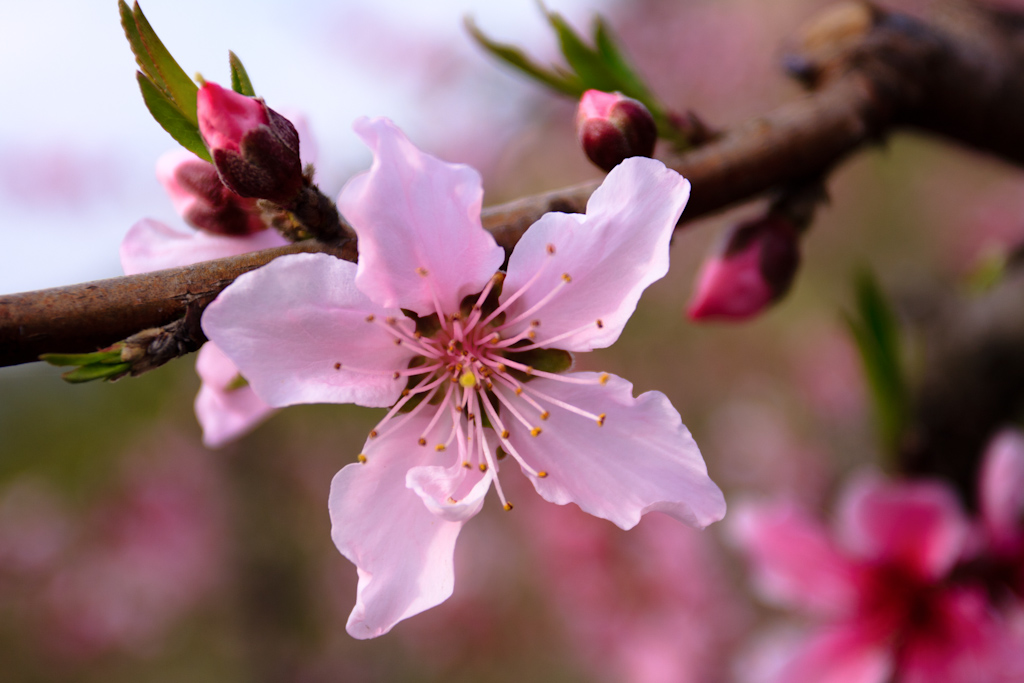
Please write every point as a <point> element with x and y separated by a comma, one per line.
<point>754,269</point>
<point>255,149</point>
<point>612,127</point>
<point>202,199</point>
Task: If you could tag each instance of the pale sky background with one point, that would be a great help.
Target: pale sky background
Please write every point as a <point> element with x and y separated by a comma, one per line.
<point>78,147</point>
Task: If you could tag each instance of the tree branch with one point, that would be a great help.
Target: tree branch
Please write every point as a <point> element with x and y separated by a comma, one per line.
<point>871,71</point>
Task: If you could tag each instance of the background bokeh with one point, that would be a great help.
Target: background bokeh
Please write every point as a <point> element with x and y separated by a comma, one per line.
<point>128,552</point>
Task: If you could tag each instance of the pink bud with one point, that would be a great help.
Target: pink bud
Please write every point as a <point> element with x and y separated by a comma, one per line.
<point>202,199</point>
<point>255,149</point>
<point>225,116</point>
<point>612,127</point>
<point>753,270</point>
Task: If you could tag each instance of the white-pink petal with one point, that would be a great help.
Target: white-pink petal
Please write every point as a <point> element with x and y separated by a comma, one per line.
<point>643,459</point>
<point>403,552</point>
<point>611,255</point>
<point>841,655</point>
<point>418,223</point>
<point>793,560</point>
<point>927,540</point>
<point>225,412</point>
<point>1001,487</point>
<point>301,332</point>
<point>151,245</point>
<point>454,493</point>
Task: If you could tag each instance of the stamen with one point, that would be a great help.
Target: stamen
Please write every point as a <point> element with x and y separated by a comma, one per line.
<point>565,406</point>
<point>522,290</point>
<point>603,379</point>
<point>562,282</point>
<point>337,366</point>
<point>558,337</point>
<point>478,306</point>
<point>370,318</point>
<point>361,458</point>
<point>496,421</point>
<point>535,431</point>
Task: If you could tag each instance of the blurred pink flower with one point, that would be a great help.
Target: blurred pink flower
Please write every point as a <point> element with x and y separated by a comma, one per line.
<point>1001,503</point>
<point>651,606</point>
<point>312,328</point>
<point>145,559</point>
<point>879,588</point>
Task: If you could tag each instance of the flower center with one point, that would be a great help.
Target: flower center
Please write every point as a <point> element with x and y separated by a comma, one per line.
<point>475,366</point>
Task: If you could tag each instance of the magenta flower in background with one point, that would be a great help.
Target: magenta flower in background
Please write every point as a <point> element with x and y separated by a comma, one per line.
<point>1001,503</point>
<point>879,588</point>
<point>465,356</point>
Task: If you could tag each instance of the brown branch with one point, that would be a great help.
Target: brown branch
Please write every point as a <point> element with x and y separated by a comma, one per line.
<point>872,71</point>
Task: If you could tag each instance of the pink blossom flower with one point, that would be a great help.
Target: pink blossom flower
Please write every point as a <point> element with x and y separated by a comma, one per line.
<point>424,324</point>
<point>612,127</point>
<point>880,586</point>
<point>999,555</point>
<point>225,407</point>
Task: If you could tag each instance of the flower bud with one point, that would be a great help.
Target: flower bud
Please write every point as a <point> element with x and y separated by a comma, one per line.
<point>612,127</point>
<point>255,149</point>
<point>753,270</point>
<point>202,199</point>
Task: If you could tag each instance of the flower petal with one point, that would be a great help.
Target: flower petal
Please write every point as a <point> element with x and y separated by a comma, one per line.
<point>225,412</point>
<point>453,493</point>
<point>793,560</point>
<point>1001,484</point>
<point>611,254</point>
<point>931,532</point>
<point>150,245</point>
<point>643,459</point>
<point>403,552</point>
<point>300,332</point>
<point>842,655</point>
<point>418,222</point>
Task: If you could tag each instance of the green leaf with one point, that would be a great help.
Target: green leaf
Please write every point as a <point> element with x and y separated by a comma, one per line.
<point>171,119</point>
<point>62,359</point>
<point>157,63</point>
<point>876,332</point>
<point>584,60</point>
<point>240,82</point>
<point>628,82</point>
<point>90,373</point>
<point>557,80</point>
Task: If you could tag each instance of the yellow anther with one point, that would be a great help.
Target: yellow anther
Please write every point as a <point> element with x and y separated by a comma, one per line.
<point>398,342</point>
<point>531,334</point>
<point>452,501</point>
<point>502,368</point>
<point>508,506</point>
<point>483,467</point>
<point>361,458</point>
<point>396,375</point>
<point>519,390</point>
<point>465,463</point>
<point>337,366</point>
<point>439,447</point>
<point>373,433</point>
<point>370,318</point>
<point>417,335</point>
<point>542,474</point>
<point>600,324</point>
<point>600,420</point>
<point>603,379</point>
<point>545,415</point>
<point>504,433</point>
<point>467,380</point>
<point>405,392</point>
<point>551,248</point>
<point>470,416</point>
<point>422,272</point>
<point>390,320</point>
<point>535,431</point>
<point>489,385</point>
<point>566,277</point>
<point>422,441</point>
<point>534,323</point>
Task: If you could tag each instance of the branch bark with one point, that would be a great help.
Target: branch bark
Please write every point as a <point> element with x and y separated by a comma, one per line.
<point>872,72</point>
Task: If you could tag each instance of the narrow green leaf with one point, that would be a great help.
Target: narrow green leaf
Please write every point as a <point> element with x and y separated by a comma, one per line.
<point>565,83</point>
<point>240,82</point>
<point>63,359</point>
<point>167,75</point>
<point>90,373</point>
<point>170,117</point>
<point>876,332</point>
<point>628,82</point>
<point>131,32</point>
<point>584,60</point>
